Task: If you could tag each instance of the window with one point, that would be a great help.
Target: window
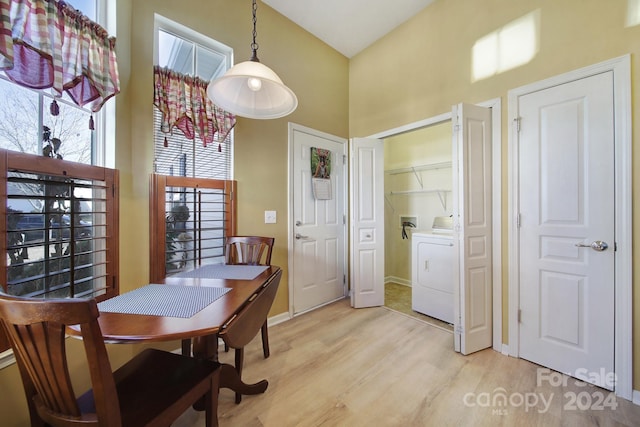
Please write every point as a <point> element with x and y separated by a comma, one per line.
<point>191,217</point>
<point>186,52</point>
<point>27,124</point>
<point>61,232</point>
<point>60,228</point>
<point>58,217</point>
<point>193,207</point>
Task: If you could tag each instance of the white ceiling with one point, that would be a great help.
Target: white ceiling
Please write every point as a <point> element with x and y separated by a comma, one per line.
<point>348,26</point>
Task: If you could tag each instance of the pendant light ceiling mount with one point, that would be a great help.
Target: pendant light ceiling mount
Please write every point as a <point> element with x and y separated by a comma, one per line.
<point>251,89</point>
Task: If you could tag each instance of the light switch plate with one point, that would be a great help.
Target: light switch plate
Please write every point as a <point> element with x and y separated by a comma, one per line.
<point>269,217</point>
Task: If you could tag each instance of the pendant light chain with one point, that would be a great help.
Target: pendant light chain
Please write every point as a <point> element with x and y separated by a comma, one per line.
<point>254,45</point>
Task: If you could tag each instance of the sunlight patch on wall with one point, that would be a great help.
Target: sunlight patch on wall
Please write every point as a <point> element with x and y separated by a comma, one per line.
<point>509,47</point>
<point>633,13</point>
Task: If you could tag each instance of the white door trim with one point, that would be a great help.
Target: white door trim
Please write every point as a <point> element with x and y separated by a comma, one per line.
<point>496,173</point>
<point>290,214</point>
<point>621,68</point>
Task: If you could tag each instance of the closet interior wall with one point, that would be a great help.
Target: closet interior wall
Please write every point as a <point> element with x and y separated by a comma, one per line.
<point>418,182</point>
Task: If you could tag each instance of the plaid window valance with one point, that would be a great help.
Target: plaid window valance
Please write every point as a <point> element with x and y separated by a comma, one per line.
<point>184,104</point>
<point>49,44</point>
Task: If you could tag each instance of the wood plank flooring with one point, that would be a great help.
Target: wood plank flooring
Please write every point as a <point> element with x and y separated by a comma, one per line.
<point>338,366</point>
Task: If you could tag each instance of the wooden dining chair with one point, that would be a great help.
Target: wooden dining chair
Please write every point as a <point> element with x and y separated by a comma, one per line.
<point>244,326</point>
<point>251,250</point>
<point>152,389</point>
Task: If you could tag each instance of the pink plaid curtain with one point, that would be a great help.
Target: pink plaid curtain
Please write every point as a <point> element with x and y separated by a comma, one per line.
<point>48,44</point>
<point>184,104</point>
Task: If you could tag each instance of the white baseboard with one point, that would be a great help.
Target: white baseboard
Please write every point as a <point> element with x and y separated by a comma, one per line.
<point>636,397</point>
<point>398,280</point>
<point>278,318</point>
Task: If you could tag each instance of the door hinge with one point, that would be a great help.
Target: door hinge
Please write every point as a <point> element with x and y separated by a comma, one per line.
<point>519,316</point>
<point>344,279</point>
<point>344,219</point>
<point>344,159</point>
<point>518,220</point>
<point>517,121</point>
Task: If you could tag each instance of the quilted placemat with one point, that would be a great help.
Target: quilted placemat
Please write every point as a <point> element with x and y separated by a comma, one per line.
<point>163,300</point>
<point>224,271</point>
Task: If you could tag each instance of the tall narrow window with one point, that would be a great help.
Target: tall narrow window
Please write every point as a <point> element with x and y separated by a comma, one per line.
<point>193,192</point>
<point>58,214</point>
<point>188,53</point>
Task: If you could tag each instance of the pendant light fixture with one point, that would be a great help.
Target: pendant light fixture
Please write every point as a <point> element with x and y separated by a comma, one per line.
<point>251,89</point>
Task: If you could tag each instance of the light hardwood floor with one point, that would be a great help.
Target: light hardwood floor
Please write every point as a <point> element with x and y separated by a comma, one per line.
<point>338,366</point>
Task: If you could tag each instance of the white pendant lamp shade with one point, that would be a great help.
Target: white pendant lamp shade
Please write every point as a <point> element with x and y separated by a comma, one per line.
<point>251,89</point>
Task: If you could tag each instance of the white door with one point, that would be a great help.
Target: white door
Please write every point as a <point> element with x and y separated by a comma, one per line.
<point>318,262</point>
<point>367,222</point>
<point>567,246</point>
<point>472,213</point>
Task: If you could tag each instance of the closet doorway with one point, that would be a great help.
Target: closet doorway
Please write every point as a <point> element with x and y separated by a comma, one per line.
<point>477,278</point>
<point>418,183</point>
<point>476,192</point>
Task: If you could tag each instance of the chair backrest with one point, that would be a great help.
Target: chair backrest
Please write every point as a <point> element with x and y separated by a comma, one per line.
<point>36,330</point>
<point>251,250</point>
<point>245,325</point>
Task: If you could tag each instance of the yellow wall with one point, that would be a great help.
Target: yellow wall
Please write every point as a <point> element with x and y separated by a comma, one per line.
<point>424,67</point>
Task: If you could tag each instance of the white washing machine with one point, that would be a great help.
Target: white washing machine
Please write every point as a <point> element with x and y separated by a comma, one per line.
<point>432,256</point>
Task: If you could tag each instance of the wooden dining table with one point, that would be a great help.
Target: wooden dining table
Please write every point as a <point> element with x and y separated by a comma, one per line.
<point>165,312</point>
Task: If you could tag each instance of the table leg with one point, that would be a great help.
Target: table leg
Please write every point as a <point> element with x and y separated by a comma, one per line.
<point>230,379</point>
<point>207,348</point>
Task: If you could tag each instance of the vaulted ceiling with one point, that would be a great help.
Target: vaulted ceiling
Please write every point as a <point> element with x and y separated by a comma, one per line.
<point>348,26</point>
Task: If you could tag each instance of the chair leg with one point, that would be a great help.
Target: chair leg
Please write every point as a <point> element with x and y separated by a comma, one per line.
<point>265,340</point>
<point>239,363</point>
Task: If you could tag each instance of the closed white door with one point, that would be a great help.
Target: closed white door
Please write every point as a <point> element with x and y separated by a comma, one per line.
<point>318,262</point>
<point>566,216</point>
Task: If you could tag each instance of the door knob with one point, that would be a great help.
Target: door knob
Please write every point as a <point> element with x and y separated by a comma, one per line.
<point>300,236</point>
<point>596,245</point>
